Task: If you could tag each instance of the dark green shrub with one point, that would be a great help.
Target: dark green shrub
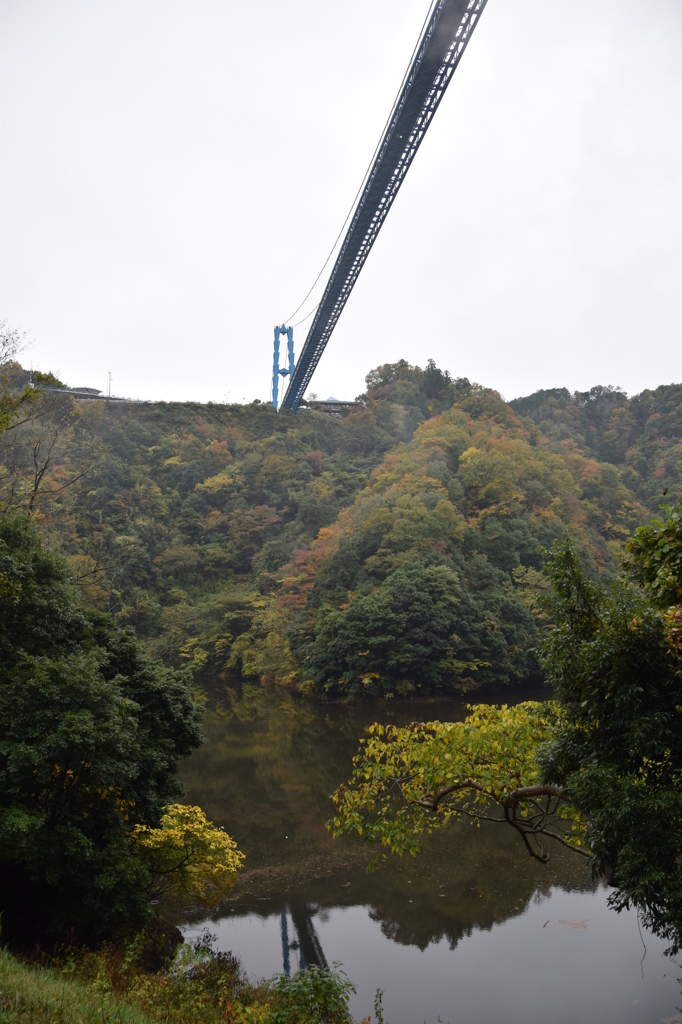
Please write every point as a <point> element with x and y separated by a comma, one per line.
<point>91,733</point>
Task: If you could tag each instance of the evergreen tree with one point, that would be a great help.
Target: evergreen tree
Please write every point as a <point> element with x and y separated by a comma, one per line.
<point>91,733</point>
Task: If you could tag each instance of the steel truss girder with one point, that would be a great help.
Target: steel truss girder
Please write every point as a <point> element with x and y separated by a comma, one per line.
<point>440,50</point>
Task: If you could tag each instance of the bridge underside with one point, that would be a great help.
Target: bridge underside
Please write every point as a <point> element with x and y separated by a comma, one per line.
<point>440,50</point>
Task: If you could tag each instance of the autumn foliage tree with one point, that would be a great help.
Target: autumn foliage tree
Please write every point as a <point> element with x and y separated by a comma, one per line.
<point>409,781</point>
<point>187,856</point>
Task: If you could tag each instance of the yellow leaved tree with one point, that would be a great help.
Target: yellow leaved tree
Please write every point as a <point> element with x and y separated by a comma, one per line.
<point>188,856</point>
<point>408,781</point>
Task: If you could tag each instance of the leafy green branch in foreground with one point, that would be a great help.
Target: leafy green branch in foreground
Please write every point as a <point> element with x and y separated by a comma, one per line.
<point>408,781</point>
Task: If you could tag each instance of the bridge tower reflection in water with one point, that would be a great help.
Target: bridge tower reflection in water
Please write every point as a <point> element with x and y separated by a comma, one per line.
<point>306,942</point>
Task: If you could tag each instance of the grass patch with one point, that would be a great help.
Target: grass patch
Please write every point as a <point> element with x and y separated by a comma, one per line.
<point>30,994</point>
<point>198,985</point>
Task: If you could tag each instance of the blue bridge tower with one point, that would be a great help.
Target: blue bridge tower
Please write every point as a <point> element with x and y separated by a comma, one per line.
<point>289,331</point>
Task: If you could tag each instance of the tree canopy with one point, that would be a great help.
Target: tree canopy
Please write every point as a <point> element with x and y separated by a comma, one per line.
<point>236,539</point>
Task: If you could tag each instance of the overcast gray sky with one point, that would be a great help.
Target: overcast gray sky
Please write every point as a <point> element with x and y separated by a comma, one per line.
<point>174,174</point>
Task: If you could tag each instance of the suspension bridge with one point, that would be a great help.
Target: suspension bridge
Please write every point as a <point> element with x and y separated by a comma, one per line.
<point>445,35</point>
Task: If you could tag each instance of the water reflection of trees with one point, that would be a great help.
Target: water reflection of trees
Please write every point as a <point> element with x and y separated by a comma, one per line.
<point>271,762</point>
<point>425,923</point>
<point>267,771</point>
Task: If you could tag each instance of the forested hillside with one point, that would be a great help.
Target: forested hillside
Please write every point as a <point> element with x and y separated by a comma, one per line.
<point>639,436</point>
<point>396,550</point>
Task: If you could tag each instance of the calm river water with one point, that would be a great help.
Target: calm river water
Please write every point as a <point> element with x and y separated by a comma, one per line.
<point>472,930</point>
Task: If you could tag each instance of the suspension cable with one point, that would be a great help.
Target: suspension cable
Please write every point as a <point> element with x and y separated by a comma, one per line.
<point>306,317</point>
<point>432,5</point>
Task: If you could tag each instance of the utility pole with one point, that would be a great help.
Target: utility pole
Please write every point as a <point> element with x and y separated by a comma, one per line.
<point>109,385</point>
